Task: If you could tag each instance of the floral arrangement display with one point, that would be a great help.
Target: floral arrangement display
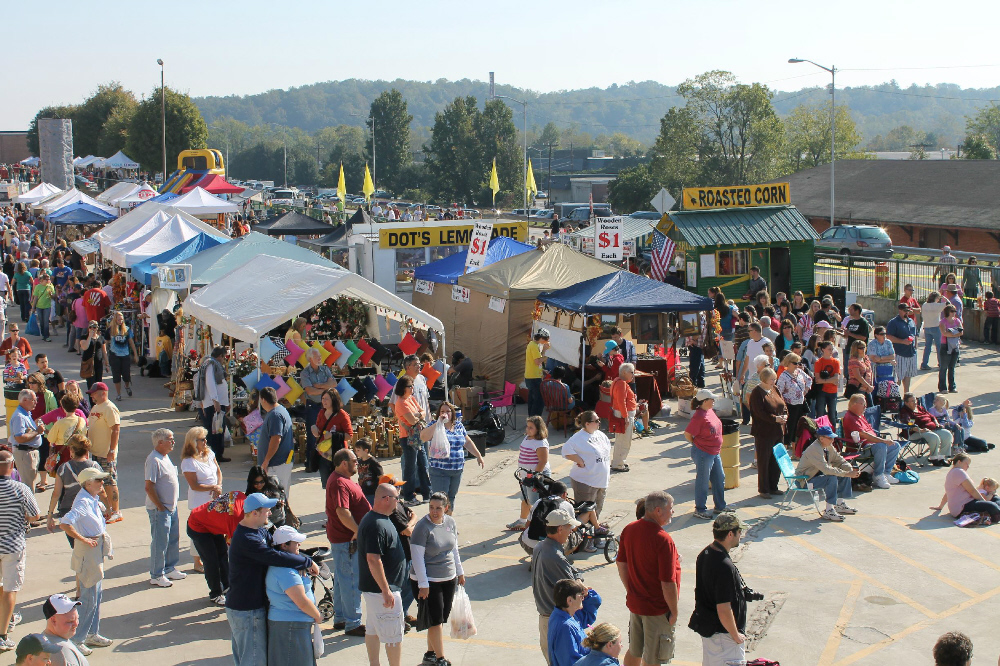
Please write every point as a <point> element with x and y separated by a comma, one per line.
<point>340,318</point>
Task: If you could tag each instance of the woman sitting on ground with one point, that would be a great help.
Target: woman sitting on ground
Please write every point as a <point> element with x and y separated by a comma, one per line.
<point>575,608</point>
<point>962,415</point>
<point>961,494</point>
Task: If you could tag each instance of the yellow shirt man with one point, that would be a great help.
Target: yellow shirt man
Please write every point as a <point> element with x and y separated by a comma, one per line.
<point>103,418</point>
<point>533,369</point>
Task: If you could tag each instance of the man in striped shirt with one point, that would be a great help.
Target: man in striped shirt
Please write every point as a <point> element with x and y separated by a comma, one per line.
<point>17,509</point>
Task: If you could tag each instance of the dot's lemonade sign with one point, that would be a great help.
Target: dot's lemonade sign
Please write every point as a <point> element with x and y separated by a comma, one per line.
<point>459,234</point>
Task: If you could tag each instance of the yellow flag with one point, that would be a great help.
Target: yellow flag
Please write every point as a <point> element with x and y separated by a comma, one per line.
<point>341,186</point>
<point>368,188</point>
<point>494,181</point>
<point>529,181</point>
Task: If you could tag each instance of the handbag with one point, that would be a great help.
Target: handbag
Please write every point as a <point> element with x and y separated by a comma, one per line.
<point>87,368</point>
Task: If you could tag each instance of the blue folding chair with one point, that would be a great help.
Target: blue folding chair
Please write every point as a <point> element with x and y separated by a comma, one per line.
<point>791,478</point>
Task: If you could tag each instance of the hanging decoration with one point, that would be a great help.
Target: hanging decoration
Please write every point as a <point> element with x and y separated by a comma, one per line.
<point>340,318</point>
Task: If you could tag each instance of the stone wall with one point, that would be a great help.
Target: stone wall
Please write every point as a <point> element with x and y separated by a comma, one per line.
<point>885,309</point>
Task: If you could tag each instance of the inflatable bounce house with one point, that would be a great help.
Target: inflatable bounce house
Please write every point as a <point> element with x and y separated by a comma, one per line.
<point>199,167</point>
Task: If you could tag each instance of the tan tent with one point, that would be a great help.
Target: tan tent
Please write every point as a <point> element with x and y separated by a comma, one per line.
<point>495,341</point>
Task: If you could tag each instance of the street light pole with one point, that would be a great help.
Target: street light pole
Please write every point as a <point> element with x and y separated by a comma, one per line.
<point>372,116</point>
<point>163,118</point>
<point>524,131</point>
<point>833,124</point>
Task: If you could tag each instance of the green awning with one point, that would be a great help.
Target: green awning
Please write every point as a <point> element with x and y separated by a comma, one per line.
<point>741,226</point>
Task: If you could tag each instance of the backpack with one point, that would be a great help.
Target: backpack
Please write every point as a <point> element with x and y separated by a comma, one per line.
<point>536,524</point>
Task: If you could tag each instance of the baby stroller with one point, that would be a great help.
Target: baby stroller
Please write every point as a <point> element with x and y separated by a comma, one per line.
<point>325,579</point>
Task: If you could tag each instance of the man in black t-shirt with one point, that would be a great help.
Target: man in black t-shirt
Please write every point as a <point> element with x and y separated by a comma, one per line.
<point>857,326</point>
<point>720,596</point>
<point>382,574</point>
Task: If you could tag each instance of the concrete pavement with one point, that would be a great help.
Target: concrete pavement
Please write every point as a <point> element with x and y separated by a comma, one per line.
<point>878,588</point>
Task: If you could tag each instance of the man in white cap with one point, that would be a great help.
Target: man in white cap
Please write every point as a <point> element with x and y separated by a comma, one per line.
<point>549,565</point>
<point>17,509</point>
<point>250,554</point>
<point>61,621</point>
<point>946,263</point>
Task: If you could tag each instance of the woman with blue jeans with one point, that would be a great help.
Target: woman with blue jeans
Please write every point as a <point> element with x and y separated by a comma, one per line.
<point>414,460</point>
<point>292,607</point>
<point>704,431</point>
<point>446,471</point>
<point>932,334</point>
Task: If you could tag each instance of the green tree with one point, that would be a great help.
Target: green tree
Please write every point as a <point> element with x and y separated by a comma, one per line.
<point>49,112</point>
<point>336,142</point>
<point>89,121</point>
<point>675,157</point>
<point>390,123</point>
<point>549,136</point>
<point>742,137</point>
<point>987,124</point>
<point>185,129</point>
<point>114,132</point>
<point>977,147</point>
<point>632,190</point>
<point>453,154</point>
<point>618,144</point>
<point>497,137</point>
<point>807,135</point>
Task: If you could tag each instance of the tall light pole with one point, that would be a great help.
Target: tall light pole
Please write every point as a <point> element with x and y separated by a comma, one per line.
<point>833,124</point>
<point>524,131</point>
<point>372,116</point>
<point>163,118</point>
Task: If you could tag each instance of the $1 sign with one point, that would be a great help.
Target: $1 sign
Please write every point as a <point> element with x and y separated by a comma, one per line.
<point>608,234</point>
<point>478,243</point>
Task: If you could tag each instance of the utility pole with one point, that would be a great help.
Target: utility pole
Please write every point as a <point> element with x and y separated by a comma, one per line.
<point>163,118</point>
<point>548,185</point>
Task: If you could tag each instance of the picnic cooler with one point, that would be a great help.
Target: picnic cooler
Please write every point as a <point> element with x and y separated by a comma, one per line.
<point>730,453</point>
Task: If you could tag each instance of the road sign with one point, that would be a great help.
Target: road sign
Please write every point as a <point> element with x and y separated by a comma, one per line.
<point>608,242</point>
<point>477,246</point>
<point>663,202</point>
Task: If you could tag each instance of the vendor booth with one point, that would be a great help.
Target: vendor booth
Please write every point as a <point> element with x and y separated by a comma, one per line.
<point>81,213</point>
<point>213,183</point>
<point>145,271</point>
<point>141,216</point>
<point>212,264</point>
<point>52,204</point>
<point>162,232</point>
<point>487,313</point>
<point>296,224</point>
<point>449,269</point>
<point>720,245</point>
<point>202,204</point>
<point>116,192</point>
<point>636,233</point>
<point>37,193</point>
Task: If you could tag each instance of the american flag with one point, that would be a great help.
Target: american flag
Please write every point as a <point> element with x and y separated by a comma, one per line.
<point>663,253</point>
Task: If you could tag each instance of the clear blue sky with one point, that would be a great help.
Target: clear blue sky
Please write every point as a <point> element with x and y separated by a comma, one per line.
<point>57,53</point>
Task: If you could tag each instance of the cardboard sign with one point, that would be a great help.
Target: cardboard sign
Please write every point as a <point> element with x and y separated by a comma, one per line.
<point>608,241</point>
<point>477,246</point>
<point>423,287</point>
<point>737,196</point>
<point>460,294</point>
<point>437,236</point>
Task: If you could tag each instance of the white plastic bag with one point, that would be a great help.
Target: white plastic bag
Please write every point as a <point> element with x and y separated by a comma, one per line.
<point>463,625</point>
<point>439,448</point>
<point>318,647</point>
<point>218,423</point>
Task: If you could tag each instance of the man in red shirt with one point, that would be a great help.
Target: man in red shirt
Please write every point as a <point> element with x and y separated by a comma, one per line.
<point>96,303</point>
<point>650,570</point>
<point>345,507</point>
<point>908,298</point>
<point>885,450</point>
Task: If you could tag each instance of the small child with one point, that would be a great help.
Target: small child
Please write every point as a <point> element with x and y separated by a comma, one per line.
<point>988,489</point>
<point>939,410</point>
<point>16,370</point>
<point>369,469</point>
<point>962,415</point>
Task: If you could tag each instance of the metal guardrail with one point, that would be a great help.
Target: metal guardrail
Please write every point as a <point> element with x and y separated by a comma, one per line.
<point>934,254</point>
<point>887,277</point>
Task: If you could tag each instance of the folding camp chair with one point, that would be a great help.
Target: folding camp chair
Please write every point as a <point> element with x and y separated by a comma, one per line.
<point>555,396</point>
<point>791,478</point>
<point>503,404</point>
<point>907,446</point>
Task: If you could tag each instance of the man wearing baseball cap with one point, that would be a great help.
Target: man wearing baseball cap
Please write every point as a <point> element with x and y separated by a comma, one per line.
<point>902,333</point>
<point>61,621</point>
<point>103,429</point>
<point>250,554</point>
<point>720,596</point>
<point>826,469</point>
<point>34,650</point>
<point>548,566</point>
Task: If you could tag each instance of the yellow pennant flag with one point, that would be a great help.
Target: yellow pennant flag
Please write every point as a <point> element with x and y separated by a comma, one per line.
<point>341,186</point>
<point>368,188</point>
<point>494,181</point>
<point>529,181</point>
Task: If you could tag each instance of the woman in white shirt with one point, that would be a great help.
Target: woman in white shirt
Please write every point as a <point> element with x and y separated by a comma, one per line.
<point>202,472</point>
<point>590,451</point>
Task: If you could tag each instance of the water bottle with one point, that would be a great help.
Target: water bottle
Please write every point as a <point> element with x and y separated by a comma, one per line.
<point>458,416</point>
<point>638,425</point>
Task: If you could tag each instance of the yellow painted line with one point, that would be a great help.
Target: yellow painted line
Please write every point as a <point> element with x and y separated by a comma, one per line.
<point>893,592</point>
<point>923,624</point>
<point>837,634</point>
<point>972,556</point>
<point>909,560</point>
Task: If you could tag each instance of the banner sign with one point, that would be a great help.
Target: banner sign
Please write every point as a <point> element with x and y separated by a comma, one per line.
<point>459,234</point>
<point>174,276</point>
<point>423,287</point>
<point>737,196</point>
<point>608,239</point>
<point>477,246</point>
<point>460,294</point>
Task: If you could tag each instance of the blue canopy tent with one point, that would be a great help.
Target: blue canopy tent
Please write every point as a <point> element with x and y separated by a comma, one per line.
<point>623,291</point>
<point>449,269</point>
<point>144,270</point>
<point>164,198</point>
<point>81,212</point>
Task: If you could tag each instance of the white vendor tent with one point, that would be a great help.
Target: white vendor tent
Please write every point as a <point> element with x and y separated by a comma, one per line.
<point>200,202</point>
<point>68,197</point>
<point>117,191</point>
<point>87,161</point>
<point>37,193</point>
<point>120,161</point>
<point>160,233</point>
<point>142,193</point>
<point>267,291</point>
<point>138,217</point>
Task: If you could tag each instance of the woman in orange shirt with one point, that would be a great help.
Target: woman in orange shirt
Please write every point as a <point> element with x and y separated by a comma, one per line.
<point>622,421</point>
<point>414,459</point>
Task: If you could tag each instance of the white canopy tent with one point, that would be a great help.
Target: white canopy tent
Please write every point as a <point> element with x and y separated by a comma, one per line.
<point>87,161</point>
<point>116,192</point>
<point>160,233</point>
<point>251,300</point>
<point>199,202</point>
<point>137,217</point>
<point>69,197</point>
<point>37,193</point>
<point>143,192</point>
<point>120,161</point>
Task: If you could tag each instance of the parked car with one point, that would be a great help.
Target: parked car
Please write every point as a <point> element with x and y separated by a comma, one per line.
<point>583,214</point>
<point>859,240</point>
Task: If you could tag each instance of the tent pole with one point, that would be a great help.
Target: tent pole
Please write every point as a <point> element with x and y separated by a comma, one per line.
<point>583,355</point>
<point>444,364</point>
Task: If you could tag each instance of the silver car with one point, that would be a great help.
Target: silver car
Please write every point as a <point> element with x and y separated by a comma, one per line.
<point>858,240</point>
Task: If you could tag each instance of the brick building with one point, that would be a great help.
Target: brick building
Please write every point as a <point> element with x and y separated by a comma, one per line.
<point>13,146</point>
<point>920,203</point>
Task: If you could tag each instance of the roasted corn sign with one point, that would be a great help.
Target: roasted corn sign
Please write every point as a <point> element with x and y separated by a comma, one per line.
<point>458,234</point>
<point>736,196</point>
